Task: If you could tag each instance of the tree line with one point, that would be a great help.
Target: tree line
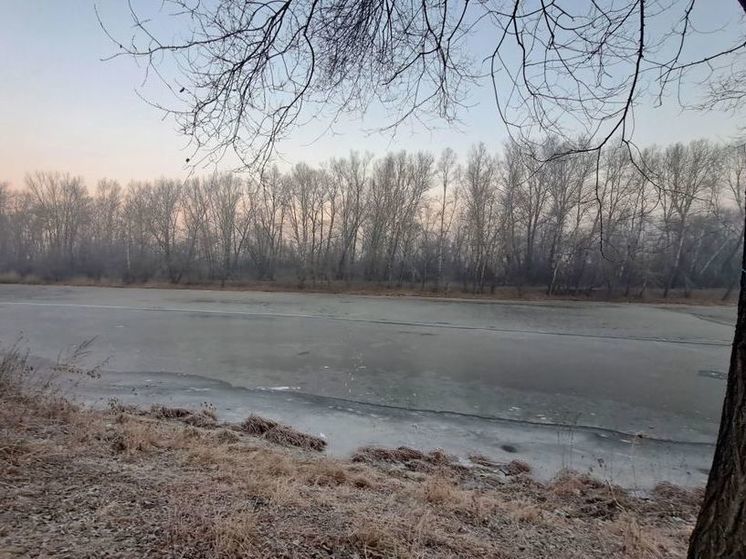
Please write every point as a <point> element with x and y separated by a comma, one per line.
<point>669,218</point>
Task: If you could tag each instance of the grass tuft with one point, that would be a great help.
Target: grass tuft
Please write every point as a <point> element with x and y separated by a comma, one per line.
<point>281,434</point>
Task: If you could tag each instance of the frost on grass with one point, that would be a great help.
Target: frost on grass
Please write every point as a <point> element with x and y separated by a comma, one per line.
<point>281,434</point>
<point>148,483</point>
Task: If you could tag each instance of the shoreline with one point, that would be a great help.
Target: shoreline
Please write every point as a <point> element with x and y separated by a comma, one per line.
<point>172,481</point>
<point>633,461</point>
<point>699,297</point>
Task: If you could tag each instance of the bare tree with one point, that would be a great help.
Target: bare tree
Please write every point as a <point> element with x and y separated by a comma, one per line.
<point>352,177</point>
<point>163,201</point>
<point>480,214</point>
<point>137,234</point>
<point>564,178</point>
<point>736,177</point>
<point>530,200</point>
<point>448,172</point>
<point>305,210</point>
<point>5,227</point>
<point>223,206</point>
<point>194,230</point>
<point>106,222</point>
<point>61,203</point>
<point>510,220</point>
<point>268,208</point>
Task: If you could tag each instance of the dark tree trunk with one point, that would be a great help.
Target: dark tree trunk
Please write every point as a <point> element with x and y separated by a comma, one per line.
<point>721,527</point>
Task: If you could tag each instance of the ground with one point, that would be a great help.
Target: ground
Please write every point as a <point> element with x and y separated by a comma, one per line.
<point>168,483</point>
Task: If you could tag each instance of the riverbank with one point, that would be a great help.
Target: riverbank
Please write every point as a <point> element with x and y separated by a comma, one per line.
<point>703,297</point>
<point>167,482</point>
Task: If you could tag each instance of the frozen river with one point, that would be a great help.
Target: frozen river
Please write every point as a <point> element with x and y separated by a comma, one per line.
<point>609,369</point>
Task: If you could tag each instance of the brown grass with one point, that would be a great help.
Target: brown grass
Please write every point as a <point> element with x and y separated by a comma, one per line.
<point>134,483</point>
<point>402,455</point>
<point>516,467</point>
<point>204,417</point>
<point>281,434</point>
<point>708,296</point>
<point>640,542</point>
<point>482,460</point>
<point>522,510</point>
<point>444,492</point>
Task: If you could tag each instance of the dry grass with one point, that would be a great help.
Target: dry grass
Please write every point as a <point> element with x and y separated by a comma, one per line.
<point>706,296</point>
<point>15,277</point>
<point>516,467</point>
<point>281,434</point>
<point>522,510</point>
<point>204,417</point>
<point>441,491</point>
<point>413,459</point>
<point>133,483</point>
<point>640,542</point>
<point>482,460</point>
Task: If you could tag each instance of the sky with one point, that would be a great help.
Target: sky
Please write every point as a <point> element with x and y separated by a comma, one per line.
<point>64,109</point>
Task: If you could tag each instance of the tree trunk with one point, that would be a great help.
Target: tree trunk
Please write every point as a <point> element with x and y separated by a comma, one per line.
<point>721,527</point>
<point>677,261</point>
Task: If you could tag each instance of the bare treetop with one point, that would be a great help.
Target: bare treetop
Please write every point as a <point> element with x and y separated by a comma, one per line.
<point>245,73</point>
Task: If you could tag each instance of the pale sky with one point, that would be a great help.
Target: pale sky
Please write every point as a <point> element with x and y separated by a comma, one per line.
<point>63,109</point>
